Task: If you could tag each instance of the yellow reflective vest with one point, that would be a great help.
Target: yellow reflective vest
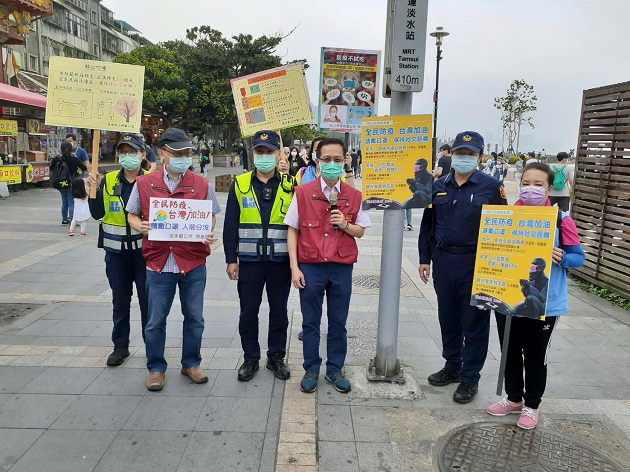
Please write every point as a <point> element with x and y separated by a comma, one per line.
<point>117,234</point>
<point>259,240</point>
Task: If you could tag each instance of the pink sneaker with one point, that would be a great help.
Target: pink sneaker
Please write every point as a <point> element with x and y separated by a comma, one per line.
<point>503,407</point>
<point>528,418</point>
<point>71,233</point>
<point>82,234</point>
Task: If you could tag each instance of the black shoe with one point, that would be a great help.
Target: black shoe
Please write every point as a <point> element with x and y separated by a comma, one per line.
<point>444,377</point>
<point>465,393</point>
<point>247,370</point>
<point>65,222</point>
<point>118,356</point>
<point>301,335</point>
<point>279,368</point>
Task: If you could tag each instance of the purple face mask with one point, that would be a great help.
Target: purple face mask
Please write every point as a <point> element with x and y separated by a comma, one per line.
<point>533,196</point>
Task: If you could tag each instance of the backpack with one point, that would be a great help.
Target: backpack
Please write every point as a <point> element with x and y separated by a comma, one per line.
<point>559,181</point>
<point>60,175</point>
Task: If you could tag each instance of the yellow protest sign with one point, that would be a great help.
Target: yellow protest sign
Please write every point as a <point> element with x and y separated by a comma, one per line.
<point>272,99</point>
<point>397,161</point>
<point>514,259</point>
<point>8,128</point>
<point>94,94</point>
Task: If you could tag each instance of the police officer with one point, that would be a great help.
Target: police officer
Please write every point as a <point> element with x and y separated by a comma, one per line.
<point>255,242</point>
<point>448,237</point>
<point>124,263</point>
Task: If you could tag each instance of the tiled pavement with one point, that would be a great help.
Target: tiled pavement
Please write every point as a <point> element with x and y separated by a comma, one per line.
<point>62,409</point>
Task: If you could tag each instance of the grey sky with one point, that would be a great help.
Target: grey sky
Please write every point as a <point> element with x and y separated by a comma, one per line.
<point>561,47</point>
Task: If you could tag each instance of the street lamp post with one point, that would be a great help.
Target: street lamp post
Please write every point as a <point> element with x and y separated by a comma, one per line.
<point>438,34</point>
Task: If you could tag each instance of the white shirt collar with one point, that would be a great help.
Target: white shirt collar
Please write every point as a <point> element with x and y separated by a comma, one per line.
<point>337,186</point>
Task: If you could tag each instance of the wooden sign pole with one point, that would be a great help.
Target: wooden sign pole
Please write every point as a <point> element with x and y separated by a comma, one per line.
<point>96,146</point>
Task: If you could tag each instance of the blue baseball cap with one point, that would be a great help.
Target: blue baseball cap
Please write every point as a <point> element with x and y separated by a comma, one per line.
<point>132,140</point>
<point>175,139</point>
<point>266,138</point>
<point>469,140</point>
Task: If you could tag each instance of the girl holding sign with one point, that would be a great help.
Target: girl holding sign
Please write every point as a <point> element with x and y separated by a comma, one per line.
<point>530,338</point>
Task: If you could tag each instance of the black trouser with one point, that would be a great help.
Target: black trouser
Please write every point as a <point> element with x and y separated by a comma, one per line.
<point>252,278</point>
<point>529,342</point>
<point>563,202</point>
<point>123,270</point>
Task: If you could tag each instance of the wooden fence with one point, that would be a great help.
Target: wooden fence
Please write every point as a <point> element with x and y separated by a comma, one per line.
<point>601,201</point>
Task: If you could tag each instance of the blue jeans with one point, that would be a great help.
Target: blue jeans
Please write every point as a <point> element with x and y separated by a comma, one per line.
<point>160,293</point>
<point>408,215</point>
<point>335,280</point>
<point>67,203</point>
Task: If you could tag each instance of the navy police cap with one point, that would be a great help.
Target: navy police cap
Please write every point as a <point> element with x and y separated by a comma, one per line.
<point>266,138</point>
<point>469,140</point>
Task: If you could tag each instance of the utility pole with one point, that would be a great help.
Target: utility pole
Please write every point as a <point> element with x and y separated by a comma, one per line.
<point>404,44</point>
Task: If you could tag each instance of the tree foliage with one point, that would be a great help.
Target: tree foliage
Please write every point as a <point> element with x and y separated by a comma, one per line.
<point>187,82</point>
<point>516,107</point>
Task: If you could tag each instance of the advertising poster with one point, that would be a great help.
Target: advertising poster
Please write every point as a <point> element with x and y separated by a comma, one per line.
<point>8,128</point>
<point>94,95</point>
<point>397,162</point>
<point>348,89</point>
<point>273,99</point>
<point>175,219</point>
<point>11,174</point>
<point>514,259</point>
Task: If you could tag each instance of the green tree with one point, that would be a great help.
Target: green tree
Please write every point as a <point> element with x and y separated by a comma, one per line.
<point>515,108</point>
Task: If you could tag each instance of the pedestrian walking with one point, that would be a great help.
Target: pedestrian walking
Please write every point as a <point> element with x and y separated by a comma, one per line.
<point>63,168</point>
<point>518,171</point>
<point>448,239</point>
<point>79,153</point>
<point>294,161</point>
<point>530,338</point>
<point>81,214</point>
<point>173,264</point>
<point>255,242</point>
<point>443,167</point>
<point>124,264</point>
<point>324,218</point>
<point>562,183</point>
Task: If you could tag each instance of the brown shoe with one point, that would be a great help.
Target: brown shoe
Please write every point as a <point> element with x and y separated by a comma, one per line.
<point>195,374</point>
<point>155,381</point>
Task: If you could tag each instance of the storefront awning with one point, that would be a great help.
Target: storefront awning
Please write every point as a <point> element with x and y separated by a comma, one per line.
<point>16,97</point>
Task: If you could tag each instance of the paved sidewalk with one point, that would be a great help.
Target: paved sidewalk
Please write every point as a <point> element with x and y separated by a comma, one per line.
<point>57,395</point>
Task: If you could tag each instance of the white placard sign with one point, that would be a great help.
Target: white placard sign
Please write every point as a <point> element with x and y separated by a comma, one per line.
<point>177,219</point>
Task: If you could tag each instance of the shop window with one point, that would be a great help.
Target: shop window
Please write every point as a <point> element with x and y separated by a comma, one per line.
<point>97,49</point>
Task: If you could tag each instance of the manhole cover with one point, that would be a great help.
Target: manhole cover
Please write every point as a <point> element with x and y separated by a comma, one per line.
<point>370,281</point>
<point>9,312</point>
<point>490,447</point>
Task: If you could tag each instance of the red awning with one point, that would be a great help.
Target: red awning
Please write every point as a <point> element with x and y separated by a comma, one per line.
<point>16,97</point>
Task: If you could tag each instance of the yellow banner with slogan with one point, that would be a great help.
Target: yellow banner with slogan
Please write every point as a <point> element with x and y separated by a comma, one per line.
<point>514,259</point>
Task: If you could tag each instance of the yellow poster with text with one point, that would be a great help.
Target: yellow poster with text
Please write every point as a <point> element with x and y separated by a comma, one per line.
<point>274,99</point>
<point>514,259</point>
<point>8,128</point>
<point>94,95</point>
<point>396,161</point>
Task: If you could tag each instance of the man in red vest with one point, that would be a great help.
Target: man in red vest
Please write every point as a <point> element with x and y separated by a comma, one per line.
<point>324,218</point>
<point>172,264</point>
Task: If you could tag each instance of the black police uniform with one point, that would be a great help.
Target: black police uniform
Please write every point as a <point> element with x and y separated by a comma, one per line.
<point>123,268</point>
<point>254,276</point>
<point>448,237</point>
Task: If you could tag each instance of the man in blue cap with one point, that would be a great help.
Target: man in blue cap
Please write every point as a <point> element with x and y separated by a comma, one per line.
<point>255,243</point>
<point>448,237</point>
<point>124,264</point>
<point>173,264</point>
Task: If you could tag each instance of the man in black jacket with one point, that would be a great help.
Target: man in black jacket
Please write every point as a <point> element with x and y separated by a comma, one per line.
<point>74,163</point>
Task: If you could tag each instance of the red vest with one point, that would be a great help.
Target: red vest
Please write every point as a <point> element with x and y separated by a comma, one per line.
<point>317,240</point>
<point>188,255</point>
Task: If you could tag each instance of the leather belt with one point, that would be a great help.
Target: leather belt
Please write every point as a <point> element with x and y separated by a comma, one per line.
<point>458,249</point>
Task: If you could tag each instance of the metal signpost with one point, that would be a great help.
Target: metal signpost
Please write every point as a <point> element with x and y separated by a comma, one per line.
<point>406,33</point>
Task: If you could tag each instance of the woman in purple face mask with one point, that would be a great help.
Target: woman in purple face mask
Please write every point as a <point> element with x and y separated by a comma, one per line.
<point>530,338</point>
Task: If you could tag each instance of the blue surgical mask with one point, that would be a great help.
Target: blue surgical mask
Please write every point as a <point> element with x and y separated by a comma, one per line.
<point>331,170</point>
<point>180,164</point>
<point>464,164</point>
<point>129,161</point>
<point>265,162</point>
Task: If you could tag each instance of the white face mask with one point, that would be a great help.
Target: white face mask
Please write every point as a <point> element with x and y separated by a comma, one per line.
<point>294,153</point>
